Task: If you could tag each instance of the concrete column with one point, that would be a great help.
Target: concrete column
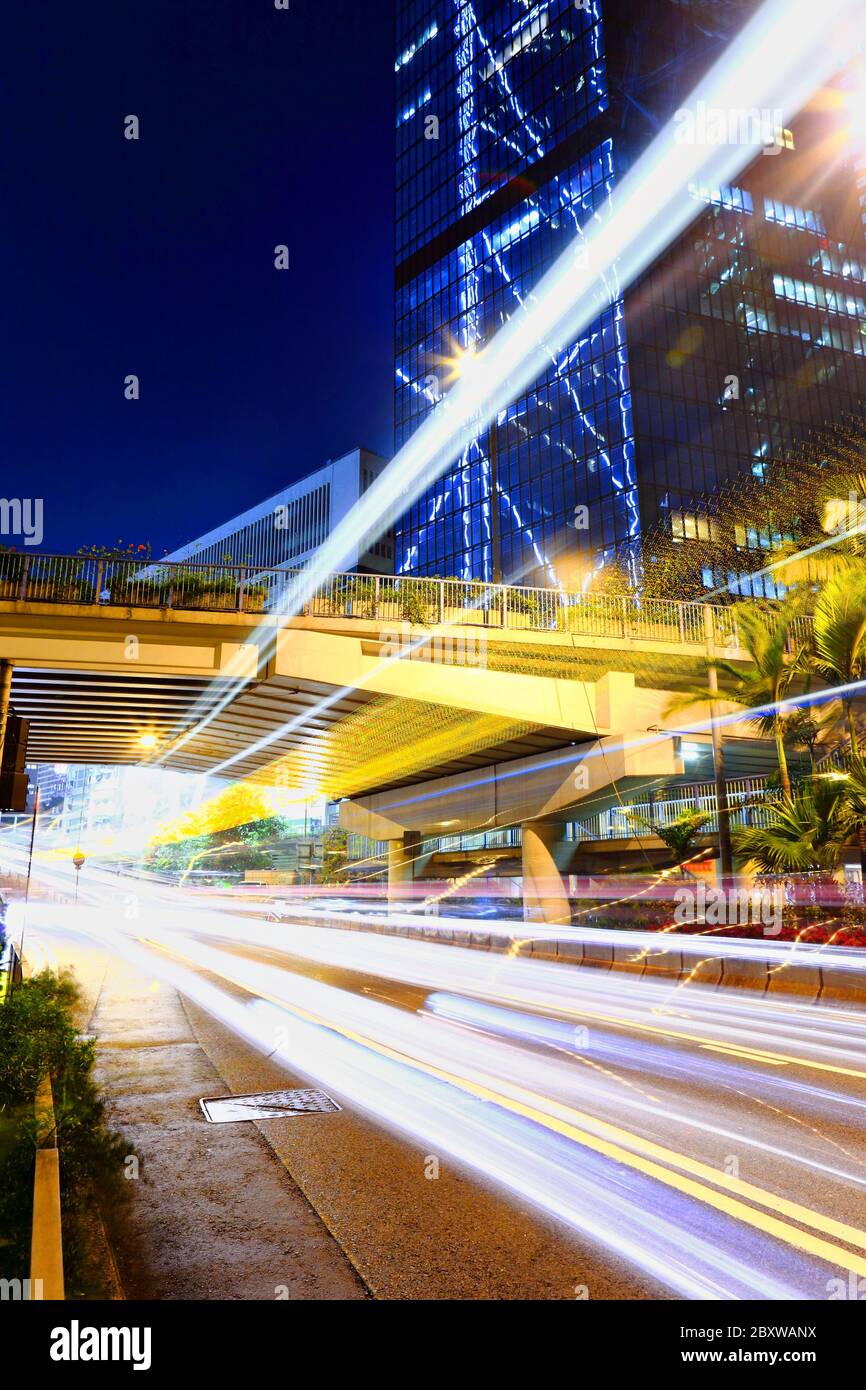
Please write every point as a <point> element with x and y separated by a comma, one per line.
<point>5,689</point>
<point>401,865</point>
<point>544,895</point>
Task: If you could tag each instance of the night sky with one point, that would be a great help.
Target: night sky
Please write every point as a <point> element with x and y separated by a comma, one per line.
<point>156,257</point>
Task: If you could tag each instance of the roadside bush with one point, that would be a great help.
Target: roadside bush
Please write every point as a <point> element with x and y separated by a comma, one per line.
<point>38,1036</point>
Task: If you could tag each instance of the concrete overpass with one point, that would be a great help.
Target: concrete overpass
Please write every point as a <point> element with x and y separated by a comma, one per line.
<point>618,836</point>
<point>102,650</point>
<point>433,705</point>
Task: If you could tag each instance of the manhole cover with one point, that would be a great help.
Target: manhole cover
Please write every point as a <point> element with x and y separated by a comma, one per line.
<point>269,1105</point>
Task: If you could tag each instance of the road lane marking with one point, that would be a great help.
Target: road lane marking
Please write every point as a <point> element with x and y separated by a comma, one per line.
<point>743,1053</point>
<point>751,1053</point>
<point>623,1147</point>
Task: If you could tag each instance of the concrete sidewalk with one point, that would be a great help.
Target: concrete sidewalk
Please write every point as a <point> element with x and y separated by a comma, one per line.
<point>214,1213</point>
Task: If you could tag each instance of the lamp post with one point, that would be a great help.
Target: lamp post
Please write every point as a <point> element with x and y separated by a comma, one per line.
<point>27,888</point>
<point>78,864</point>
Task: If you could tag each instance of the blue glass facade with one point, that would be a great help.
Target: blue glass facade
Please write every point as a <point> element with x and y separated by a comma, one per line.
<point>486,93</point>
<point>514,120</point>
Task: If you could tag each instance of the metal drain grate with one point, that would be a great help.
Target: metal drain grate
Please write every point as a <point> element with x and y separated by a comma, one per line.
<point>269,1105</point>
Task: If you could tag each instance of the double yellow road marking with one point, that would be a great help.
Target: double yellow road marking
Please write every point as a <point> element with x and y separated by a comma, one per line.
<point>689,1176</point>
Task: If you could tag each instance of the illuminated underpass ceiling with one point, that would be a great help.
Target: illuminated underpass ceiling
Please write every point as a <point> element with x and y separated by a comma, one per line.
<point>334,742</point>
<point>100,716</point>
<point>394,741</point>
<point>358,743</point>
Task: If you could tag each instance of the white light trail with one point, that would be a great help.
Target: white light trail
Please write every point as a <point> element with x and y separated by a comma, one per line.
<point>788,50</point>
<point>604,1099</point>
<point>485,1104</point>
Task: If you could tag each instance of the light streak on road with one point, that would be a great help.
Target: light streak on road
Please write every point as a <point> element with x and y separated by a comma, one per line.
<point>608,1100</point>
<point>636,946</point>
<point>362,1050</point>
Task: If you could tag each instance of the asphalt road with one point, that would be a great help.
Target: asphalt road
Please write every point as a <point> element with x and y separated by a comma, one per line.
<point>508,1127</point>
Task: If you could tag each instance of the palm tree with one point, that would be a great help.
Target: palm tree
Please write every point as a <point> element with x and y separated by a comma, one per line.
<point>805,831</point>
<point>804,731</point>
<point>679,835</point>
<point>769,638</point>
<point>853,809</point>
<point>839,635</point>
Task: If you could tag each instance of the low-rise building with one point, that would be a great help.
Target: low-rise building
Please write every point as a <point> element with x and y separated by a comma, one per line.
<point>288,528</point>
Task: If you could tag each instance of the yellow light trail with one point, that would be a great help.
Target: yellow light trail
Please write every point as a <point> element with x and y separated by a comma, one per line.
<point>619,1145</point>
<point>752,1054</point>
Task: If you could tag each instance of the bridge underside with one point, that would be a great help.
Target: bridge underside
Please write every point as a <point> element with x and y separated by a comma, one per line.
<point>317,705</point>
<point>324,705</point>
<point>345,741</point>
<point>99,716</point>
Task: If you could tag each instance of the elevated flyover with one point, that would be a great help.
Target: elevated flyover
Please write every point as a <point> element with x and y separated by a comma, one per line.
<point>531,699</point>
<point>621,836</point>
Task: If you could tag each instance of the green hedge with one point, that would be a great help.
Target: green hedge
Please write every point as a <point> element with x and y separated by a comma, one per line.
<point>38,1035</point>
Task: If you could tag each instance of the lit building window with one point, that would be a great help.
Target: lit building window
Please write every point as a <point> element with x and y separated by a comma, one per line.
<point>411,111</point>
<point>817,297</point>
<point>734,199</point>
<point>687,526</point>
<point>409,53</point>
<point>804,219</point>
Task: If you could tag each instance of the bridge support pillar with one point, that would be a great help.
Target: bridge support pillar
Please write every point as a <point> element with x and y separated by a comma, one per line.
<point>401,864</point>
<point>544,895</point>
<point>5,690</point>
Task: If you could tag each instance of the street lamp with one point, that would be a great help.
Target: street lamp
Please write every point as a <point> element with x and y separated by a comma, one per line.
<point>78,864</point>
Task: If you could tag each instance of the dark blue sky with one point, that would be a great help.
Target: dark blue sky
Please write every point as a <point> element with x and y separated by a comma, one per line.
<point>258,127</point>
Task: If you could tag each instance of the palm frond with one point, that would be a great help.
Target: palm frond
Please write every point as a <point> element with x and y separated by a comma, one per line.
<point>840,627</point>
<point>805,831</point>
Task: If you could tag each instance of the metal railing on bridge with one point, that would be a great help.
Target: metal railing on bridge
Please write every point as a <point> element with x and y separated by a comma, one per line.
<point>100,581</point>
<point>631,819</point>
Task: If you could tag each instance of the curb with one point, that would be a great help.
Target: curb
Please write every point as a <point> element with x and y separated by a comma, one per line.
<point>828,985</point>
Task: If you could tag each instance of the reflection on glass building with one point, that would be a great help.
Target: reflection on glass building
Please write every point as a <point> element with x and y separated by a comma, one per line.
<point>514,121</point>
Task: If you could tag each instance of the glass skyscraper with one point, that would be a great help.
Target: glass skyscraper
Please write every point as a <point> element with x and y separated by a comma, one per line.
<point>514,120</point>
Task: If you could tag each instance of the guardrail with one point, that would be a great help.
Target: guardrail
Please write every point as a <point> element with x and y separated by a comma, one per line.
<point>10,971</point>
<point>631,819</point>
<point>812,972</point>
<point>46,1245</point>
<point>196,587</point>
